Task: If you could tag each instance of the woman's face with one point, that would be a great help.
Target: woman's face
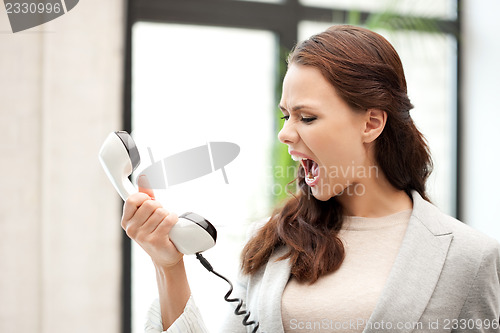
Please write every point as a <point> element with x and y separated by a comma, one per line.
<point>323,132</point>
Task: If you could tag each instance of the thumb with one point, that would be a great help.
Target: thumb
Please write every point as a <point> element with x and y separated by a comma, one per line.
<point>144,186</point>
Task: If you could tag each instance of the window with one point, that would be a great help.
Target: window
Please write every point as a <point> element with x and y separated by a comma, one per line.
<point>198,62</point>
<point>192,85</point>
<point>426,8</point>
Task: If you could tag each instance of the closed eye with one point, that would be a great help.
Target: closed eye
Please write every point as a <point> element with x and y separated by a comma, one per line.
<point>308,119</point>
<point>303,119</point>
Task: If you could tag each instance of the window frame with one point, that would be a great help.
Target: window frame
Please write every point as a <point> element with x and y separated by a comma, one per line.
<point>281,18</point>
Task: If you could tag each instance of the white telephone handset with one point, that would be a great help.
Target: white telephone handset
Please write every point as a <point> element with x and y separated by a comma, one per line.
<point>119,157</point>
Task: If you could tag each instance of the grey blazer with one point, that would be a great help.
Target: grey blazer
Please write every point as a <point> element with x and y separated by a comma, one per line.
<point>445,279</point>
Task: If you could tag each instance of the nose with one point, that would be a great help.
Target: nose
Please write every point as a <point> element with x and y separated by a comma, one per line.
<point>288,133</point>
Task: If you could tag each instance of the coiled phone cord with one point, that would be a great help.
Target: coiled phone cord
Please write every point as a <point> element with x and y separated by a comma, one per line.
<point>238,310</point>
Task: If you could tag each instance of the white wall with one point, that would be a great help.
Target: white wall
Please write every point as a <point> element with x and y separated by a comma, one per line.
<point>61,93</point>
<point>481,86</point>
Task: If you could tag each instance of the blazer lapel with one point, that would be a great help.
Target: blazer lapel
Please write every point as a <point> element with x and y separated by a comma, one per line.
<point>415,272</point>
<point>275,278</point>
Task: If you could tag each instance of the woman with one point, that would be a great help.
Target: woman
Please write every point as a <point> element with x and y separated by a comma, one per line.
<point>359,248</point>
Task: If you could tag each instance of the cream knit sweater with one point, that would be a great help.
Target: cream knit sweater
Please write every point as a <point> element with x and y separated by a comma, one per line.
<point>344,300</point>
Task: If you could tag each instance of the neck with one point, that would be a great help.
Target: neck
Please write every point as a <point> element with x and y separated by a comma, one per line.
<point>374,197</point>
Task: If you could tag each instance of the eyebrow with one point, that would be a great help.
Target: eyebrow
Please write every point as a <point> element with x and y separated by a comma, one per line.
<point>295,108</point>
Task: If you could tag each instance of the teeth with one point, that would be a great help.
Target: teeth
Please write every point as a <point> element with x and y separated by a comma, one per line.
<point>310,177</point>
<point>297,158</point>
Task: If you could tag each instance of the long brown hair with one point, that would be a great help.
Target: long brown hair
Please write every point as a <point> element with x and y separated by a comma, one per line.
<point>367,73</point>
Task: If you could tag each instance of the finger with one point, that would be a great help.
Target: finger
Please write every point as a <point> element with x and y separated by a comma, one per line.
<point>132,204</point>
<point>145,211</point>
<point>166,224</point>
<point>164,228</point>
<point>154,220</point>
<point>145,186</point>
<point>134,226</point>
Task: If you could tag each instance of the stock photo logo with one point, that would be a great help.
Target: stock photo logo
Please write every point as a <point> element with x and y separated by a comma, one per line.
<point>26,14</point>
<point>190,164</point>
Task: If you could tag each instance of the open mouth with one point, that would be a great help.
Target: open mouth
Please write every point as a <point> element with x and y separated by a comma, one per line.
<point>311,170</point>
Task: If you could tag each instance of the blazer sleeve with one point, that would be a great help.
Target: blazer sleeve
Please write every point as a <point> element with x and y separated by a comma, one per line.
<point>190,321</point>
<point>483,300</point>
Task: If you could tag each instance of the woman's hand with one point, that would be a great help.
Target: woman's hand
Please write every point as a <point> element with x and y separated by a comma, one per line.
<point>148,223</point>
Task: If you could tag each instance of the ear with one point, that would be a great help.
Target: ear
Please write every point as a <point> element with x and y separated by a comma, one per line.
<point>375,120</point>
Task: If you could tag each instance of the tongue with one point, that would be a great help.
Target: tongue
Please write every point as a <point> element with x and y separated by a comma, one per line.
<point>312,169</point>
